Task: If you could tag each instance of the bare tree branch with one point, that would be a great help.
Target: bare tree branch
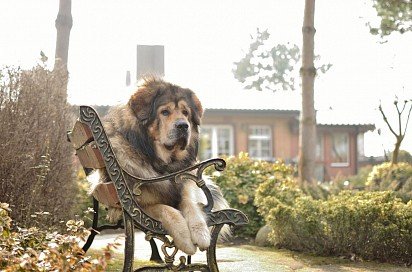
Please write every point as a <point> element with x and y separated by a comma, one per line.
<point>386,121</point>
<point>407,119</point>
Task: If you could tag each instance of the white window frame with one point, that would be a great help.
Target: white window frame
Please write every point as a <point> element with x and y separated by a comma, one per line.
<point>261,137</point>
<point>214,138</point>
<point>341,164</point>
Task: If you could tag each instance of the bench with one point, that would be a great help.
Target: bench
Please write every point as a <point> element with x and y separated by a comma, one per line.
<point>94,151</point>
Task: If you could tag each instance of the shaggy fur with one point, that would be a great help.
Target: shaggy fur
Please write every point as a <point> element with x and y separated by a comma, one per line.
<point>155,134</point>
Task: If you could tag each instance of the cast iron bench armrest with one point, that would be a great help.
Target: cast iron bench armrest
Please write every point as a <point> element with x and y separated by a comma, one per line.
<point>184,174</point>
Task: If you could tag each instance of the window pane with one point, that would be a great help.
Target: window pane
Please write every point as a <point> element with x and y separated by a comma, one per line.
<point>260,138</point>
<point>205,145</point>
<point>253,149</point>
<point>215,141</point>
<point>340,148</point>
<point>223,141</point>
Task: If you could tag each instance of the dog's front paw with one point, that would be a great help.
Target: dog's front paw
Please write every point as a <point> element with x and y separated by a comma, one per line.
<point>200,235</point>
<point>185,245</point>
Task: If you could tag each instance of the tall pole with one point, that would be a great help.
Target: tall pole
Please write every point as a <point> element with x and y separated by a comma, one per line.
<point>307,131</point>
<point>64,22</point>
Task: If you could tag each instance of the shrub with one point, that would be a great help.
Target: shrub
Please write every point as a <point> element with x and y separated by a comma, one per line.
<point>291,213</point>
<point>239,182</point>
<point>371,225</point>
<point>355,182</point>
<point>387,177</point>
<point>35,168</point>
<point>403,156</point>
<point>33,249</point>
<point>368,225</point>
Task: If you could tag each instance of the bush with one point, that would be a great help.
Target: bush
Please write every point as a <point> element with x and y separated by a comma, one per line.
<point>387,177</point>
<point>403,156</point>
<point>291,213</point>
<point>239,182</point>
<point>35,170</point>
<point>33,249</point>
<point>367,225</point>
<point>355,182</point>
<point>370,225</point>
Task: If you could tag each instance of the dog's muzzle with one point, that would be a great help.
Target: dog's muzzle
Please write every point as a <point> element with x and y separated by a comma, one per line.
<point>180,134</point>
<point>182,126</point>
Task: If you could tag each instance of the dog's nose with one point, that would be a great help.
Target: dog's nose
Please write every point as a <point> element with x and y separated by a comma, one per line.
<point>182,125</point>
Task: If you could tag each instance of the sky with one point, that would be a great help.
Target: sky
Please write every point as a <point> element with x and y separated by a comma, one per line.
<point>203,39</point>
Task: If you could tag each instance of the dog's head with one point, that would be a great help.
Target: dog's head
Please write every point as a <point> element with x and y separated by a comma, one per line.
<point>170,115</point>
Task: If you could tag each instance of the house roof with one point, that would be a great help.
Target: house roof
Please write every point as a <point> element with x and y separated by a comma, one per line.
<point>324,118</point>
<point>252,111</point>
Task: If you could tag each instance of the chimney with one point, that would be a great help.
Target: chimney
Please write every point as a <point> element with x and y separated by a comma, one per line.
<point>150,60</point>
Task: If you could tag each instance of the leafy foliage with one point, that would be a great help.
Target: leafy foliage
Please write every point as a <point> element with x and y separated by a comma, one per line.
<point>262,68</point>
<point>403,156</point>
<point>366,225</point>
<point>355,182</point>
<point>395,15</point>
<point>239,182</point>
<point>388,177</point>
<point>35,169</point>
<point>33,249</point>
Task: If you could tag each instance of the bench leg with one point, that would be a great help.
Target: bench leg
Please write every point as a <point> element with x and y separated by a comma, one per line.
<point>129,243</point>
<point>94,225</point>
<point>155,257</point>
<point>211,251</point>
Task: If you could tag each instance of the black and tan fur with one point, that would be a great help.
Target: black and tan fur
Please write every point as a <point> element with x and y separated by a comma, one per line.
<point>157,133</point>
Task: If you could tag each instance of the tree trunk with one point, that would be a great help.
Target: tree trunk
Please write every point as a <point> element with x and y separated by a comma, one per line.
<point>64,22</point>
<point>307,131</point>
<point>395,153</point>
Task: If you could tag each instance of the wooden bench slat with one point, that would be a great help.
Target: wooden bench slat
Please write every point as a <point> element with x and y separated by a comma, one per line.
<point>90,156</point>
<point>80,135</point>
<point>106,193</point>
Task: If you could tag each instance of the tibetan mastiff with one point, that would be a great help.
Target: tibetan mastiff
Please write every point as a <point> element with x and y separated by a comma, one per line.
<point>154,134</point>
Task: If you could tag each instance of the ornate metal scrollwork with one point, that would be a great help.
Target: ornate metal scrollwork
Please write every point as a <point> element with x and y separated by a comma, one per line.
<point>170,265</point>
<point>227,216</point>
<point>89,116</point>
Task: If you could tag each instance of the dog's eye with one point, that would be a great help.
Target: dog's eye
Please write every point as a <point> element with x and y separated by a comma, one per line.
<point>165,112</point>
<point>185,112</point>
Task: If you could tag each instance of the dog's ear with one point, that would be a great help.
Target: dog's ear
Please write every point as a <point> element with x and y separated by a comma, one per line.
<point>198,109</point>
<point>140,102</point>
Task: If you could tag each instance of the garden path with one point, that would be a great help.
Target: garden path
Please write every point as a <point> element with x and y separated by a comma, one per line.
<point>245,258</point>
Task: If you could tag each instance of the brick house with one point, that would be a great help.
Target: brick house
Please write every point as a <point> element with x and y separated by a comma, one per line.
<point>270,134</point>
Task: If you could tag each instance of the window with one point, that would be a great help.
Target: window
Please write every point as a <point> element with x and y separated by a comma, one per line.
<point>361,140</point>
<point>260,142</point>
<point>340,149</point>
<point>215,141</point>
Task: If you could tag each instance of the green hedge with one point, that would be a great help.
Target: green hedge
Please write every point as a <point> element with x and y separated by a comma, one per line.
<point>388,177</point>
<point>368,225</point>
<point>239,182</point>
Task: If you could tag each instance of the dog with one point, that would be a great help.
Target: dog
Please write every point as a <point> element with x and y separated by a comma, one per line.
<point>154,134</point>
